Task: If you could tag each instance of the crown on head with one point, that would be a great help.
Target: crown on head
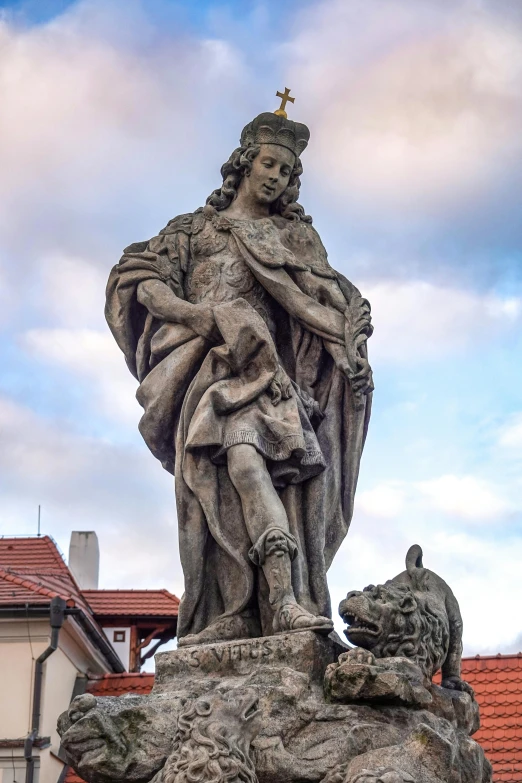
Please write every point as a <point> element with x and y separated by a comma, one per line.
<point>268,128</point>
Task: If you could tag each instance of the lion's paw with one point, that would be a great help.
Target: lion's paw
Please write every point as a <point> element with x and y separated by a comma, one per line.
<point>456,684</point>
<point>358,655</point>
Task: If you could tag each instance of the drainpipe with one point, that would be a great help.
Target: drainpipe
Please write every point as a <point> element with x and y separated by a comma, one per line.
<point>57,615</point>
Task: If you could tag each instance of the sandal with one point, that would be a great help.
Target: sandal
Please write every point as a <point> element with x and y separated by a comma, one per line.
<point>292,617</point>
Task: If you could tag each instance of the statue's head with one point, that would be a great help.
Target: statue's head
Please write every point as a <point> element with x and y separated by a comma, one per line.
<point>267,165</point>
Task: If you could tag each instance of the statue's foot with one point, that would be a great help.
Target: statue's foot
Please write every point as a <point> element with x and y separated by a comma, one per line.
<point>226,629</point>
<point>292,617</point>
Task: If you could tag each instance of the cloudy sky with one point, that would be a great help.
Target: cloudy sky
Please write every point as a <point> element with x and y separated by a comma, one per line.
<point>116,116</point>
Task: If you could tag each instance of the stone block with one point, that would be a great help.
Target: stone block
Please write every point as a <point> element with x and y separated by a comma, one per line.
<point>303,651</point>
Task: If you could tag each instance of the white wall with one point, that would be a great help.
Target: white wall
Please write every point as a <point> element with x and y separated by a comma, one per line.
<point>122,648</point>
<point>16,667</point>
<point>21,642</point>
<point>12,766</point>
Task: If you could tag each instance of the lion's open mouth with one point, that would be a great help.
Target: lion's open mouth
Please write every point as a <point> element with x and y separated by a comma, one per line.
<point>360,625</point>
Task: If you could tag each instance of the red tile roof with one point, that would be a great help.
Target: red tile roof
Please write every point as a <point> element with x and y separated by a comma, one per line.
<point>72,776</point>
<point>20,588</point>
<point>32,572</point>
<point>118,684</point>
<point>134,603</point>
<point>497,681</point>
<point>31,554</point>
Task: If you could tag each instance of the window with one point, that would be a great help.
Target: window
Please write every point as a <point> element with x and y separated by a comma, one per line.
<point>119,636</point>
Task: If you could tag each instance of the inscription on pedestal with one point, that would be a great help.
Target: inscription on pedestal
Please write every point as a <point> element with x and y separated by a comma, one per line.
<point>256,649</point>
<point>306,651</point>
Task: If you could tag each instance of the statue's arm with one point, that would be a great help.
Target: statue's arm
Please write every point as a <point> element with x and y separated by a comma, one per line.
<point>163,304</point>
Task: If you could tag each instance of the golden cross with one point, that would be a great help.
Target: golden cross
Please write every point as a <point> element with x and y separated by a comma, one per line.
<point>285,97</point>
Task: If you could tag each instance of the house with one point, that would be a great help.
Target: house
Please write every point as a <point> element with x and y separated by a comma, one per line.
<point>58,631</point>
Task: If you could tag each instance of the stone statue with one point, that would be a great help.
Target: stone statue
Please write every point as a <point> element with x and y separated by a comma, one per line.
<point>251,355</point>
<point>289,708</point>
<point>250,351</point>
<point>414,615</point>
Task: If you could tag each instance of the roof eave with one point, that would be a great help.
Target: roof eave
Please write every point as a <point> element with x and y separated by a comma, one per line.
<point>88,625</point>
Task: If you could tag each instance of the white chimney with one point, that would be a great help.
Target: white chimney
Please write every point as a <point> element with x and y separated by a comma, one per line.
<point>84,558</point>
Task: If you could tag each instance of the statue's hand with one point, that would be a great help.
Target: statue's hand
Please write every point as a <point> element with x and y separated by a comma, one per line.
<point>362,381</point>
<point>200,319</point>
<point>280,387</point>
<point>91,739</point>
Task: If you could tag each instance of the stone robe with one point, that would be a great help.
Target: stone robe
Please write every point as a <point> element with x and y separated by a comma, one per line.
<point>277,304</point>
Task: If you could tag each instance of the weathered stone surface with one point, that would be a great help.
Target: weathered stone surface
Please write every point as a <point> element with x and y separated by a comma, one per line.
<point>213,739</point>
<point>301,735</point>
<point>359,676</point>
<point>302,651</point>
<point>425,756</point>
<point>251,354</point>
<point>118,739</point>
<point>415,615</point>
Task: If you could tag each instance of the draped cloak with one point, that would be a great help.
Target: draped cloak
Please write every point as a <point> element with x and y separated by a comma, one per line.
<point>185,379</point>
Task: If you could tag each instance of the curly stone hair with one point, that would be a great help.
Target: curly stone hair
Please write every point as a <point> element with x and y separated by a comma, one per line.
<point>421,633</point>
<point>202,751</point>
<point>233,171</point>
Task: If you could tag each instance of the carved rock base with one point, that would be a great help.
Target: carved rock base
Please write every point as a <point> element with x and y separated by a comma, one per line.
<point>270,692</point>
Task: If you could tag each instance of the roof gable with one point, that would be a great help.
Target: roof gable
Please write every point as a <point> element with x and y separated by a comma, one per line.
<point>132,603</point>
<point>32,554</point>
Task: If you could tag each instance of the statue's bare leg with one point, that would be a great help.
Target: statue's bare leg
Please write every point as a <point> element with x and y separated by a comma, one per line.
<point>273,547</point>
<point>262,506</point>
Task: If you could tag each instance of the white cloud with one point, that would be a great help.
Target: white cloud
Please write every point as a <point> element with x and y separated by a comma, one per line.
<point>421,320</point>
<point>101,119</point>
<point>71,291</point>
<point>86,483</point>
<point>467,497</point>
<point>94,357</point>
<point>511,433</point>
<point>385,500</point>
<point>422,105</point>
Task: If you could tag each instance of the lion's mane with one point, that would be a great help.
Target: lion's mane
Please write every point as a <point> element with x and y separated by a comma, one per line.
<point>203,753</point>
<point>421,633</point>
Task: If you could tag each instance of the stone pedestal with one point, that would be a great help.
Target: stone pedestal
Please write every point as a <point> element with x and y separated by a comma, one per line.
<point>281,709</point>
<point>304,651</point>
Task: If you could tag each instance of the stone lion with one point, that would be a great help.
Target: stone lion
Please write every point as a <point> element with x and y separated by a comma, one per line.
<point>415,615</point>
<point>213,737</point>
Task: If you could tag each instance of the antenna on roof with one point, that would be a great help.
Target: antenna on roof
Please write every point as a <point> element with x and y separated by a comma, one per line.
<point>39,509</point>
